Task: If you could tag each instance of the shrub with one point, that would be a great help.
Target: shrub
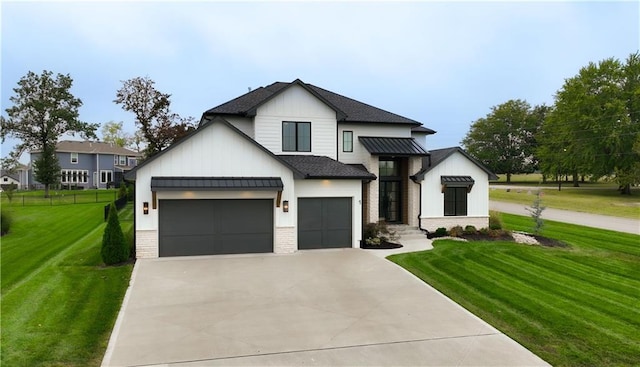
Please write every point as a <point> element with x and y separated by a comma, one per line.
<point>484,231</point>
<point>114,248</point>
<point>5,222</point>
<point>470,230</point>
<point>122,191</point>
<point>130,189</point>
<point>456,231</point>
<point>376,233</point>
<point>441,232</point>
<point>495,221</point>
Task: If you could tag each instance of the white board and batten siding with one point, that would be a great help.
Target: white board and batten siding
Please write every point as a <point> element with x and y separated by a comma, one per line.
<point>432,215</point>
<point>360,155</point>
<point>297,105</point>
<point>217,151</point>
<point>244,124</point>
<point>336,189</point>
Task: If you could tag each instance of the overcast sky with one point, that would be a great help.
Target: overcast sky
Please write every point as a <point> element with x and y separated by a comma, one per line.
<point>444,64</point>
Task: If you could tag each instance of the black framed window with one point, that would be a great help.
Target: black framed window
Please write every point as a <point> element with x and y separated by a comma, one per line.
<point>455,201</point>
<point>347,141</point>
<point>296,136</point>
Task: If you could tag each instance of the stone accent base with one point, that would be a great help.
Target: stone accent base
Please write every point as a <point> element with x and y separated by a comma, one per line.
<point>285,241</point>
<point>147,244</point>
<point>431,224</point>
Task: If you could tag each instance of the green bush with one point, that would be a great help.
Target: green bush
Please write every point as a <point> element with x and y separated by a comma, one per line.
<point>470,230</point>
<point>375,233</point>
<point>495,221</point>
<point>130,189</point>
<point>122,191</point>
<point>456,231</point>
<point>114,247</point>
<point>5,222</point>
<point>441,232</point>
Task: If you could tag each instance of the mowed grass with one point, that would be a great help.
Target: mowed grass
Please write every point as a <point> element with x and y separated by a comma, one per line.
<point>59,302</point>
<point>573,306</point>
<point>58,197</point>
<point>605,201</point>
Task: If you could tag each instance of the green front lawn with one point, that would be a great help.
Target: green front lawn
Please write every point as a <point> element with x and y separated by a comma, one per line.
<point>59,303</point>
<point>605,201</point>
<point>573,306</point>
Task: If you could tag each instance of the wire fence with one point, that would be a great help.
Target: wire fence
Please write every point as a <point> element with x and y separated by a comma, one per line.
<point>60,198</point>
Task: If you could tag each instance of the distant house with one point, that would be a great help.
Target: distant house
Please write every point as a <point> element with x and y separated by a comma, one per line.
<point>91,164</point>
<point>19,178</point>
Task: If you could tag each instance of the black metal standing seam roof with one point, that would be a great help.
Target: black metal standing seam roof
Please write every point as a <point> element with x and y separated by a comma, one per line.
<point>216,183</point>
<point>457,180</point>
<point>392,146</point>
<point>349,109</point>
<point>320,167</point>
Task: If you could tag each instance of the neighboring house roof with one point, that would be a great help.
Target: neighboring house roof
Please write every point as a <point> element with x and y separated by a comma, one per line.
<point>91,147</point>
<point>437,156</point>
<point>216,183</point>
<point>319,167</point>
<point>392,146</point>
<point>12,175</point>
<point>347,109</point>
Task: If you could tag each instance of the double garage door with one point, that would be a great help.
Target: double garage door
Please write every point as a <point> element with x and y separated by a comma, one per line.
<point>214,227</point>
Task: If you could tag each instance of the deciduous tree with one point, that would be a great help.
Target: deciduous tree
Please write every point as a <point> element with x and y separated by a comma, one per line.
<point>160,127</point>
<point>112,132</point>
<point>43,110</point>
<point>504,140</point>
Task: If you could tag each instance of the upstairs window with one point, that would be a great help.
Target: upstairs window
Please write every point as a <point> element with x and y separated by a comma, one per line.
<point>74,158</point>
<point>296,136</point>
<point>123,160</point>
<point>347,141</point>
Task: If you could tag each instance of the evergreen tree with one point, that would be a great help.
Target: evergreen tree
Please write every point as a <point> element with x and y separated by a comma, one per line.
<point>114,248</point>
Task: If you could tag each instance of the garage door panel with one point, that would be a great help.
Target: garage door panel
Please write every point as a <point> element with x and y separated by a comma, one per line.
<point>211,227</point>
<point>324,223</point>
<point>186,245</point>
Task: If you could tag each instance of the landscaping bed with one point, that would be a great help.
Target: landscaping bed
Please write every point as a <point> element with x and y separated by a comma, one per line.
<point>382,246</point>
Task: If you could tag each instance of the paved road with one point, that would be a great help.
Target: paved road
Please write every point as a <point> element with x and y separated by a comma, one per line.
<point>566,216</point>
<point>319,308</point>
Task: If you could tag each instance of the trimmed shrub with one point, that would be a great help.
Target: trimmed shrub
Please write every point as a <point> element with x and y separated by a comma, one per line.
<point>441,232</point>
<point>114,247</point>
<point>122,191</point>
<point>456,231</point>
<point>5,222</point>
<point>130,189</point>
<point>470,230</point>
<point>484,231</point>
<point>495,221</point>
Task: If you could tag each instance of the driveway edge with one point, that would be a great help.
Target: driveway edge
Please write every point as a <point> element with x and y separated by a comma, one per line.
<point>106,360</point>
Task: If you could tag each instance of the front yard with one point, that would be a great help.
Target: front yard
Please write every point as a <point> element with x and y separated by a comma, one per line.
<point>59,303</point>
<point>572,306</point>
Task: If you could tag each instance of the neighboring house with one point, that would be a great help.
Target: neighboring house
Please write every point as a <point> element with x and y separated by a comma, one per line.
<point>19,178</point>
<point>91,164</point>
<point>293,166</point>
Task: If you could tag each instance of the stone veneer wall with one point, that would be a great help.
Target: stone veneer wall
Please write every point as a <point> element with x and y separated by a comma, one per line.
<point>431,224</point>
<point>147,244</point>
<point>285,241</point>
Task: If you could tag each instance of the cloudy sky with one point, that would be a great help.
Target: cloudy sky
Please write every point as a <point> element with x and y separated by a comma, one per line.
<point>444,64</point>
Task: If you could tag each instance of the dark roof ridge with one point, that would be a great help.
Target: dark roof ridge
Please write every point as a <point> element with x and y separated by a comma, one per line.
<point>439,155</point>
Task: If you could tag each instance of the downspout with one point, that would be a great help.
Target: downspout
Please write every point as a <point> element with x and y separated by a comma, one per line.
<point>414,178</point>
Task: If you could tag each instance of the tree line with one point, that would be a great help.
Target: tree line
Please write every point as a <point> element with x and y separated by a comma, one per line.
<point>592,130</point>
<point>44,109</point>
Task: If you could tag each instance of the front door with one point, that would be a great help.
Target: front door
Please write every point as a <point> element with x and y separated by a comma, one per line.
<point>390,193</point>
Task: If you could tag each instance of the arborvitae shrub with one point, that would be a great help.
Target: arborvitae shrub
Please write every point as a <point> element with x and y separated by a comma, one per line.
<point>5,222</point>
<point>114,247</point>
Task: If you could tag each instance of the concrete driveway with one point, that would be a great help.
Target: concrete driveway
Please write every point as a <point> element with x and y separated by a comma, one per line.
<point>334,307</point>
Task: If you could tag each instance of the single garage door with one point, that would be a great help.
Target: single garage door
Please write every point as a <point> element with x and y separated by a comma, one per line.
<point>324,223</point>
<point>213,227</point>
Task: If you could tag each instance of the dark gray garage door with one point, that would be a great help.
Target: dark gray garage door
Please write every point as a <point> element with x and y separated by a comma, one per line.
<point>212,227</point>
<point>324,223</point>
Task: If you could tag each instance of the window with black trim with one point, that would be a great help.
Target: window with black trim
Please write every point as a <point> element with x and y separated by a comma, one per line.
<point>296,136</point>
<point>455,201</point>
<point>347,141</point>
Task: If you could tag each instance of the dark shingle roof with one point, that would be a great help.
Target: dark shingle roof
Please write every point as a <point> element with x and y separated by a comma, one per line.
<point>319,167</point>
<point>347,109</point>
<point>422,129</point>
<point>392,146</point>
<point>436,157</point>
<point>216,183</point>
<point>92,147</point>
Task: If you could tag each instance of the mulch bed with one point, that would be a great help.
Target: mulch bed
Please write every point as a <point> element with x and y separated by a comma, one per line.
<point>549,242</point>
<point>544,241</point>
<point>382,246</point>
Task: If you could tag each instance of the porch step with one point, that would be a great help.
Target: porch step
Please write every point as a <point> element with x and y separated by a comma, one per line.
<point>407,232</point>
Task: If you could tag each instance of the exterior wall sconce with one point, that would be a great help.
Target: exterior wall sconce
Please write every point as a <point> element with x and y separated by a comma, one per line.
<point>145,207</point>
<point>285,206</point>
